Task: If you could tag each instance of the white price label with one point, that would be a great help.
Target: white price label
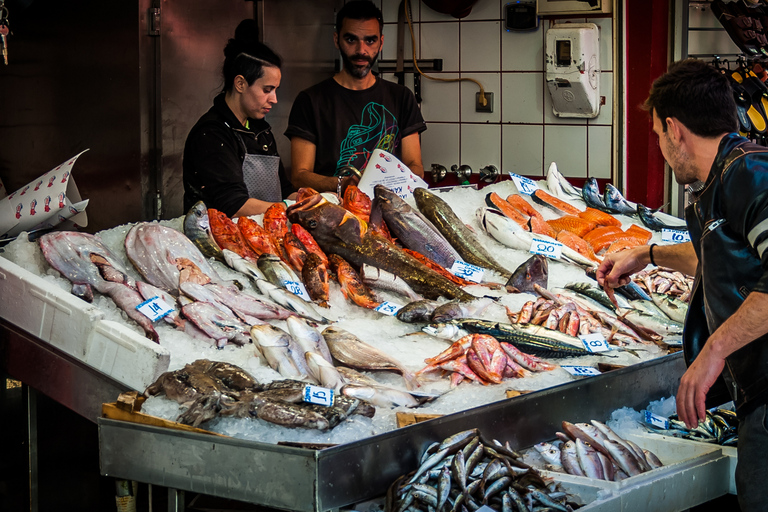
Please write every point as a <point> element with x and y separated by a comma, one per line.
<point>388,308</point>
<point>581,371</point>
<point>485,508</point>
<point>595,342</point>
<point>467,271</point>
<point>676,237</point>
<point>297,289</point>
<point>154,308</point>
<point>319,396</point>
<point>656,421</point>
<point>523,184</point>
<point>547,248</point>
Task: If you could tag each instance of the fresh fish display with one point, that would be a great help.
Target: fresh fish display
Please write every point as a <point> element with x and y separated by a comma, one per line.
<point>455,310</point>
<point>290,301</point>
<point>720,426</point>
<point>219,326</point>
<point>316,279</point>
<point>246,304</point>
<point>615,201</point>
<point>413,229</point>
<point>590,192</point>
<point>378,278</point>
<point>652,222</point>
<point>89,265</point>
<point>665,281</point>
<point>598,295</point>
<point>352,286</point>
<point>276,270</point>
<point>559,186</point>
<point>339,232</point>
<point>281,351</point>
<point>308,338</point>
<point>419,311</point>
<point>456,232</point>
<point>324,372</point>
<point>533,270</point>
<point>672,307</point>
<point>197,227</point>
<point>351,351</point>
<point>148,292</point>
<point>308,242</point>
<point>256,237</point>
<point>227,235</point>
<point>631,290</point>
<point>558,205</point>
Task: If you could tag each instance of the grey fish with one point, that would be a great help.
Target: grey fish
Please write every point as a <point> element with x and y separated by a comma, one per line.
<point>534,270</point>
<point>197,227</point>
<point>456,232</point>
<point>276,271</point>
<point>598,295</point>
<point>381,396</point>
<point>623,457</point>
<point>660,323</point>
<point>237,262</point>
<point>281,351</point>
<point>324,372</point>
<point>589,461</point>
<point>413,229</point>
<point>419,311</point>
<point>590,192</point>
<point>290,301</point>
<point>652,222</point>
<point>379,278</point>
<point>672,307</point>
<point>455,310</point>
<point>308,337</point>
<point>559,186</point>
<point>216,324</point>
<point>615,201</point>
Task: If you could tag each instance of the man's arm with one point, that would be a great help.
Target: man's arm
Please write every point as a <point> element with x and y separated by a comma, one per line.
<point>748,323</point>
<point>303,164</point>
<point>252,207</point>
<point>616,268</point>
<point>410,151</point>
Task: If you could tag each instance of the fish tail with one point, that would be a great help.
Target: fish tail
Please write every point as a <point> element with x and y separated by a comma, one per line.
<point>412,380</point>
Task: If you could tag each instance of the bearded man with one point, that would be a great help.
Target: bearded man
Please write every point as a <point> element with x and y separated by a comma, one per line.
<point>340,121</point>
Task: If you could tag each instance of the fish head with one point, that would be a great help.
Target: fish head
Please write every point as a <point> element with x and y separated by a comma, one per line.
<point>327,222</point>
<point>305,192</point>
<point>266,335</point>
<point>423,197</point>
<point>534,270</point>
<point>388,201</point>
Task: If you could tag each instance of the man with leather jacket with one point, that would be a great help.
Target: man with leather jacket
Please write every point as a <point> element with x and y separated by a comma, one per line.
<point>694,116</point>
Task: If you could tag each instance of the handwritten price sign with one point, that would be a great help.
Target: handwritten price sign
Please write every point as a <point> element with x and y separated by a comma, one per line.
<point>656,421</point>
<point>676,237</point>
<point>523,184</point>
<point>297,289</point>
<point>388,308</point>
<point>595,342</point>
<point>154,308</point>
<point>581,371</point>
<point>319,396</point>
<point>546,248</point>
<point>467,271</point>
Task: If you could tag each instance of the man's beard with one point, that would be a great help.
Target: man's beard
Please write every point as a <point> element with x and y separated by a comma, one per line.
<point>356,70</point>
<point>682,165</point>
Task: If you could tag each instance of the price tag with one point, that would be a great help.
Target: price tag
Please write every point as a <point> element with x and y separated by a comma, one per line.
<point>485,508</point>
<point>467,271</point>
<point>595,342</point>
<point>676,237</point>
<point>547,248</point>
<point>297,289</point>
<point>319,396</point>
<point>388,308</point>
<point>154,308</point>
<point>523,184</point>
<point>581,371</point>
<point>656,421</point>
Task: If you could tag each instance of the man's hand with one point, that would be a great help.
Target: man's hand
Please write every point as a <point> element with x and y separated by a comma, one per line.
<point>617,268</point>
<point>695,383</point>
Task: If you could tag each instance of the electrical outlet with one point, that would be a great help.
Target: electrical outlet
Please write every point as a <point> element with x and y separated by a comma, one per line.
<point>488,107</point>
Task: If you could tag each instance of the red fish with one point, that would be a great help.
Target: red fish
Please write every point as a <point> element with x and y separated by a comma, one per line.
<point>276,222</point>
<point>316,279</point>
<point>295,251</point>
<point>227,235</point>
<point>351,285</point>
<point>308,241</point>
<point>257,238</point>
<point>357,202</point>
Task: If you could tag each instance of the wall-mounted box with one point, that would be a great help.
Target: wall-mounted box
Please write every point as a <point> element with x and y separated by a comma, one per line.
<point>567,7</point>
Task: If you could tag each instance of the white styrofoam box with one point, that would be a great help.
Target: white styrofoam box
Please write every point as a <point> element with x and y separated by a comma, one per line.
<point>78,328</point>
<point>594,497</point>
<point>729,452</point>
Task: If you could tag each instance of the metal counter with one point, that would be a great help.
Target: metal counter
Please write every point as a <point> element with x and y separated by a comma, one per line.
<point>308,480</point>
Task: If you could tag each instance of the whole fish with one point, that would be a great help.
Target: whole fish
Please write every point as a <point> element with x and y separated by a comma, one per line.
<point>276,222</point>
<point>660,323</point>
<point>89,264</point>
<point>590,192</point>
<point>200,293</point>
<point>549,453</point>
<point>308,242</point>
<point>413,229</point>
<point>631,290</point>
<point>381,396</point>
<point>456,232</point>
<point>559,186</point>
<point>248,304</point>
<point>290,301</point>
<point>598,295</point>
<point>531,339</point>
<point>218,326</point>
<point>569,459</point>
<point>378,278</point>
<point>257,238</point>
<point>652,222</point>
<point>316,279</point>
<point>589,461</point>
<point>418,311</point>
<point>352,286</point>
<point>534,270</point>
<point>281,351</point>
<point>339,232</point>
<point>357,202</point>
<point>276,270</point>
<point>197,227</point>
<point>672,307</point>
<point>455,310</point>
<point>237,262</point>
<point>295,251</point>
<point>308,338</point>
<point>324,372</point>
<point>615,201</point>
<point>351,351</point>
<point>228,236</point>
<point>148,292</point>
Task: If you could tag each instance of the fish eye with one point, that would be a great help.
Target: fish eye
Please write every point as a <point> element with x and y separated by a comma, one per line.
<point>312,224</point>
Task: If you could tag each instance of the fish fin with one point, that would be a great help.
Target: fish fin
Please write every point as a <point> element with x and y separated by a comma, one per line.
<point>411,380</point>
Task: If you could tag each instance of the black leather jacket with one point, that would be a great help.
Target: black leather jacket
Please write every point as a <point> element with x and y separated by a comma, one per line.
<point>728,224</point>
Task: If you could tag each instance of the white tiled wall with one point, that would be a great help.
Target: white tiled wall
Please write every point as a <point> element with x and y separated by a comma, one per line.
<point>521,135</point>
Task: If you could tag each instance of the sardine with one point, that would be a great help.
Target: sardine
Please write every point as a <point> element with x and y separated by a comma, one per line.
<point>281,351</point>
<point>534,270</point>
<point>652,222</point>
<point>456,232</point>
<point>197,227</point>
<point>378,278</point>
<point>308,338</point>
<point>615,201</point>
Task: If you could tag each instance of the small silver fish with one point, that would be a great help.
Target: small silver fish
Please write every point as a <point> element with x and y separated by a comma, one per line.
<point>378,278</point>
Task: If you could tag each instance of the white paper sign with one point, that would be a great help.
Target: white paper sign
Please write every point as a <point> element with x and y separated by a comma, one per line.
<point>467,271</point>
<point>384,168</point>
<point>547,248</point>
<point>154,308</point>
<point>45,202</point>
<point>523,184</point>
<point>594,342</point>
<point>319,396</point>
<point>656,421</point>
<point>581,371</point>
<point>676,237</point>
<point>297,289</point>
<point>388,308</point>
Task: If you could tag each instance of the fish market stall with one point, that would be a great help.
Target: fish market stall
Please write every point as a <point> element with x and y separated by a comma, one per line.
<point>372,451</point>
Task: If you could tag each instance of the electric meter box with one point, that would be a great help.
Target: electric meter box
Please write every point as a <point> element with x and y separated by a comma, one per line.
<point>573,69</point>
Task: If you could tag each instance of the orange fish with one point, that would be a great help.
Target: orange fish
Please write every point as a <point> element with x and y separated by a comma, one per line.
<point>276,221</point>
<point>352,286</point>
<point>438,268</point>
<point>309,241</point>
<point>524,206</point>
<point>575,225</point>
<point>606,240</point>
<point>459,365</point>
<point>295,251</point>
<point>486,358</point>
<point>256,236</point>
<point>599,218</point>
<point>577,244</point>
<point>640,233</point>
<point>316,278</point>
<point>305,192</point>
<point>600,231</point>
<point>227,235</point>
<point>551,201</point>
<point>357,202</point>
<point>457,349</point>
<point>494,200</point>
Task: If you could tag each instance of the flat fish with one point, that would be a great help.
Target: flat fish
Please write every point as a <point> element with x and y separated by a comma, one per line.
<point>533,270</point>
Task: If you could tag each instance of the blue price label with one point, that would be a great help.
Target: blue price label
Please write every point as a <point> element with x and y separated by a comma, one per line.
<point>388,308</point>
<point>523,184</point>
<point>581,371</point>
<point>595,342</point>
<point>547,248</point>
<point>297,289</point>
<point>154,308</point>
<point>319,396</point>
<point>676,237</point>
<point>467,271</point>
<point>656,421</point>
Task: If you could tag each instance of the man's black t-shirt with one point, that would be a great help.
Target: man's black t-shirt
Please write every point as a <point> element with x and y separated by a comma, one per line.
<point>347,125</point>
